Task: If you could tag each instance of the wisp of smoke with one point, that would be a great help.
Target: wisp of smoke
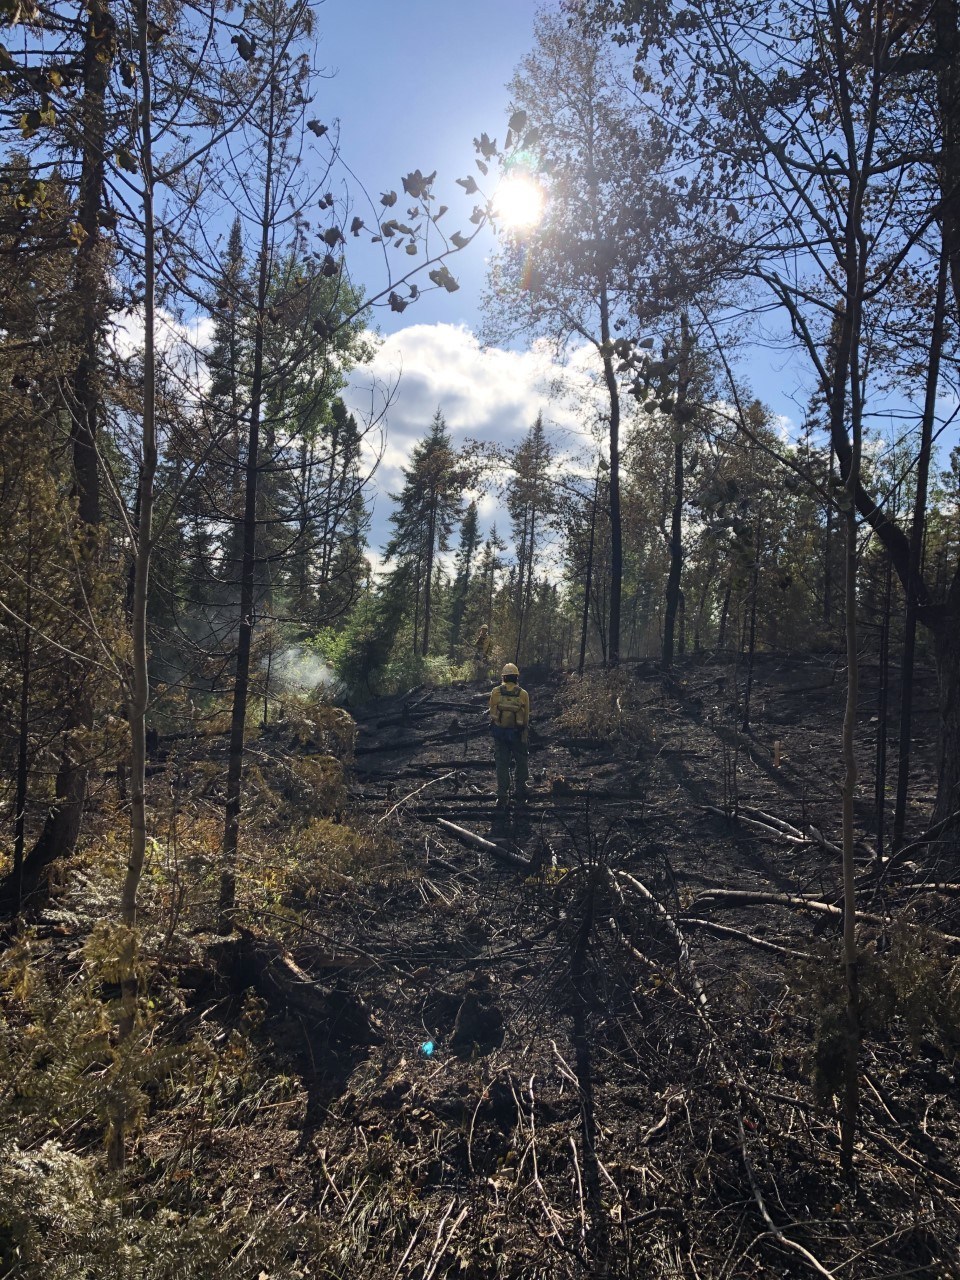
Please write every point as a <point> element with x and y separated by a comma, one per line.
<point>303,671</point>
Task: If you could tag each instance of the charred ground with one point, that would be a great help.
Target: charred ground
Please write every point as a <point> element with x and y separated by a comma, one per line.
<point>606,1043</point>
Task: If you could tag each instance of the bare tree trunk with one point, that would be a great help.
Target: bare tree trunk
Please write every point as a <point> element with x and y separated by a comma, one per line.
<point>231,830</point>
<point>674,596</point>
<point>416,608</point>
<point>588,582</point>
<point>525,597</point>
<point>428,580</point>
<point>702,604</point>
<point>828,544</point>
<point>916,551</point>
<point>724,616</point>
<point>947,642</point>
<point>851,1092</point>
<point>61,829</point>
<point>616,523</point>
<point>140,676</point>
<point>672,599</point>
<point>754,591</point>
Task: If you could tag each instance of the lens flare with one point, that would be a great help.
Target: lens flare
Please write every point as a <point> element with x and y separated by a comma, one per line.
<point>518,203</point>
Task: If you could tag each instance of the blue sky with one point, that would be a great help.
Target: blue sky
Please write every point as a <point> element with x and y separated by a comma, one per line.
<point>412,83</point>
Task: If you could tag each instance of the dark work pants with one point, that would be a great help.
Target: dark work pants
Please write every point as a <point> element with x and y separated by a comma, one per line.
<point>505,752</point>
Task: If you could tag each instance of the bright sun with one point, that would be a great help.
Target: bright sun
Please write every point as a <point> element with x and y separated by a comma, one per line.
<point>518,203</point>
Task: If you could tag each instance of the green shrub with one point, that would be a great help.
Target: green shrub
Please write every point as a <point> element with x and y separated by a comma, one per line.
<point>911,990</point>
<point>65,1214</point>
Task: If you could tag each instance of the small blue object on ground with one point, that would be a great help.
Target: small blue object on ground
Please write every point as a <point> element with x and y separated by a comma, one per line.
<point>427,1048</point>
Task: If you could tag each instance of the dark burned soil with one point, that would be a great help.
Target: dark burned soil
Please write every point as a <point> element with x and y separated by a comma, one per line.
<point>574,1054</point>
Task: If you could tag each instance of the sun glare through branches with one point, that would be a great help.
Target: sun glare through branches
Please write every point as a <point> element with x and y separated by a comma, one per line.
<point>519,202</point>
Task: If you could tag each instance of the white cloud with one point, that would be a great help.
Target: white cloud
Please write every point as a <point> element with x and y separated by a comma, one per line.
<point>172,335</point>
<point>488,394</point>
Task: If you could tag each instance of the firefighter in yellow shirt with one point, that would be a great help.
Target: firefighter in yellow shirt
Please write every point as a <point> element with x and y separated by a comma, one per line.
<point>510,724</point>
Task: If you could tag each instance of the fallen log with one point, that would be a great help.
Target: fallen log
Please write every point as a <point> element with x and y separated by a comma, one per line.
<point>275,975</point>
<point>765,825</point>
<point>409,744</point>
<point>486,846</point>
<point>403,718</point>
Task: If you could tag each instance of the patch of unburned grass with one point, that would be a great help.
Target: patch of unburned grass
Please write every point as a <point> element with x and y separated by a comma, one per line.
<point>603,705</point>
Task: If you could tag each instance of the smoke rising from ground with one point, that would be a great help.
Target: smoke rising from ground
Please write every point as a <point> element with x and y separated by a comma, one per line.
<point>302,671</point>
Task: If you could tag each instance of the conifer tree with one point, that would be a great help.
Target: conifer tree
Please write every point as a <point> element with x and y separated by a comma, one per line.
<point>529,494</point>
<point>426,509</point>
<point>463,575</point>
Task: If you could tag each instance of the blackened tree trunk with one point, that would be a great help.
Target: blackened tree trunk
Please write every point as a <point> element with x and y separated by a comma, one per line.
<point>616,522</point>
<point>752,643</point>
<point>883,699</point>
<point>23,737</point>
<point>672,600</point>
<point>234,789</point>
<point>912,585</point>
<point>588,579</point>
<point>947,651</point>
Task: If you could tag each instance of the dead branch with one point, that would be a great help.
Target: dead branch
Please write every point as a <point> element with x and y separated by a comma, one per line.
<point>416,791</point>
<point>702,1007</point>
<point>948,889</point>
<point>726,931</point>
<point>791,835</point>
<point>753,898</point>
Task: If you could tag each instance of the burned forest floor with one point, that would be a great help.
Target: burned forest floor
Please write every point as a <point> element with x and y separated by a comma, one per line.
<point>600,1034</point>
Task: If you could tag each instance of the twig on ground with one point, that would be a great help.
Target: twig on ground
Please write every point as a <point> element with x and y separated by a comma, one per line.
<point>438,1249</point>
<point>583,1207</point>
<point>416,791</point>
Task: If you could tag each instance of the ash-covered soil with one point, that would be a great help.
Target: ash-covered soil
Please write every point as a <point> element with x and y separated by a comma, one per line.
<point>574,1054</point>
